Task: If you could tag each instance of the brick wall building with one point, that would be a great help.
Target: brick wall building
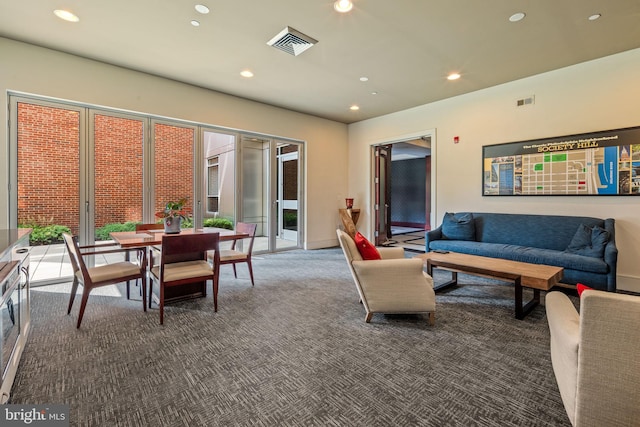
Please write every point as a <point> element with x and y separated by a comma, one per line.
<point>49,167</point>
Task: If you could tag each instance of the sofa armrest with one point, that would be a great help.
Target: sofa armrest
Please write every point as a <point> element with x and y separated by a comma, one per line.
<point>431,235</point>
<point>611,254</point>
<point>391,252</point>
<point>564,327</point>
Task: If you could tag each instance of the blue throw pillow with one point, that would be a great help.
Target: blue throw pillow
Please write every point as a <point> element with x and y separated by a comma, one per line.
<point>458,227</point>
<point>589,241</point>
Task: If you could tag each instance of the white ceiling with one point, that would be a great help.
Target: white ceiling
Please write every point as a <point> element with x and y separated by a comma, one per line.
<point>405,47</point>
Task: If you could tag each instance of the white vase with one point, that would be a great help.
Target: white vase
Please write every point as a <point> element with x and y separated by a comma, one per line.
<point>172,225</point>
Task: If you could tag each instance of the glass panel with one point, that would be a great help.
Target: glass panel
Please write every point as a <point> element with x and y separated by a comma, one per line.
<point>48,151</point>
<point>290,180</point>
<point>290,219</point>
<point>48,166</point>
<point>173,167</point>
<point>256,199</point>
<point>219,155</point>
<point>212,187</point>
<point>118,173</point>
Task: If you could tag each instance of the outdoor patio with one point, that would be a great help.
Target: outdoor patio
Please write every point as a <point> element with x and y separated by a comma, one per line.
<point>50,263</point>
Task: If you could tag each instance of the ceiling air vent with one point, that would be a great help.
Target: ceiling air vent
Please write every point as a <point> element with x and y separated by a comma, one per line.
<point>292,41</point>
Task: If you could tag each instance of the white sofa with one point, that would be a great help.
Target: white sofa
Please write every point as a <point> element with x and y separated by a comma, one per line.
<point>596,357</point>
<point>394,284</point>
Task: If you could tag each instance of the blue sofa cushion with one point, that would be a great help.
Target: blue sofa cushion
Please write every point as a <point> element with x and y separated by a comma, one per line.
<point>458,227</point>
<point>538,231</point>
<point>589,241</point>
<point>524,254</point>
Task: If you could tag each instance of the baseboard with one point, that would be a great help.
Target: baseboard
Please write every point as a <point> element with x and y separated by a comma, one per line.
<point>628,283</point>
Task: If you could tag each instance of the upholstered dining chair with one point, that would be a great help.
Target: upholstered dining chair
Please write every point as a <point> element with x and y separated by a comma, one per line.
<point>103,275</point>
<point>184,261</point>
<point>234,255</point>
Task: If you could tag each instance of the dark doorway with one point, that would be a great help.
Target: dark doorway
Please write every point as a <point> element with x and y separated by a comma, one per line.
<point>403,193</point>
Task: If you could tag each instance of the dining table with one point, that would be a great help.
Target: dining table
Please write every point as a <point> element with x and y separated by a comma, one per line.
<point>132,239</point>
<point>151,238</point>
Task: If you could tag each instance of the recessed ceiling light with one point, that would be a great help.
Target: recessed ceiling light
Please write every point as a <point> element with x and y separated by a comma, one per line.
<point>200,8</point>
<point>246,73</point>
<point>343,6</point>
<point>517,17</point>
<point>195,23</point>
<point>374,93</point>
<point>364,79</point>
<point>595,16</point>
<point>354,108</point>
<point>66,15</point>
<point>453,76</point>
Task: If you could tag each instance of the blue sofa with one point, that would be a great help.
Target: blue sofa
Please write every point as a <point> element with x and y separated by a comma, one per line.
<point>584,246</point>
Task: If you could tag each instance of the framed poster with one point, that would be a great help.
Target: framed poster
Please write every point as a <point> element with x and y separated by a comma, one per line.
<point>588,164</point>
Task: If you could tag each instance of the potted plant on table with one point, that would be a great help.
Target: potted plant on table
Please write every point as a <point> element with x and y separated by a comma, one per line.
<point>172,216</point>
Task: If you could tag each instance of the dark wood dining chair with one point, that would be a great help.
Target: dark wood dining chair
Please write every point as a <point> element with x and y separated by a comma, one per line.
<point>234,255</point>
<point>154,251</point>
<point>184,261</point>
<point>103,275</point>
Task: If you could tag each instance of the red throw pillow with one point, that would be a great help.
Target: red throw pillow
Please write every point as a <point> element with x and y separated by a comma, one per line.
<point>366,249</point>
<point>581,288</point>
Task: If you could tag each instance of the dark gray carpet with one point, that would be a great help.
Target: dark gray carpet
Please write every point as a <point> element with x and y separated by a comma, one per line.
<point>292,351</point>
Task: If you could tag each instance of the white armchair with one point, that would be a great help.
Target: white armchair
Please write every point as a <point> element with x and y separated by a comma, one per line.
<point>394,284</point>
<point>595,356</point>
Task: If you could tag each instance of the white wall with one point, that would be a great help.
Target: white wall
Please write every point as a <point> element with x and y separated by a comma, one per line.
<point>30,69</point>
<point>597,95</point>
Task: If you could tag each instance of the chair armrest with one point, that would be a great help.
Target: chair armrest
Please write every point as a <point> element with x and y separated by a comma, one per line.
<point>391,252</point>
<point>564,326</point>
<point>114,251</point>
<point>391,273</point>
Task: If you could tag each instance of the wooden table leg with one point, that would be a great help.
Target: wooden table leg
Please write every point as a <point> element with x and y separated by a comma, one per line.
<point>523,310</point>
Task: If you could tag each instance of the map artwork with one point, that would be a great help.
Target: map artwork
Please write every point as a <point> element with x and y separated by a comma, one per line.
<point>599,163</point>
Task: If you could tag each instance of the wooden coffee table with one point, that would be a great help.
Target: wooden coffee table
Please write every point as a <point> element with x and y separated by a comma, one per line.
<point>536,276</point>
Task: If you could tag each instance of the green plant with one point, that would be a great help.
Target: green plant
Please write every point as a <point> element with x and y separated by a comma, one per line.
<point>291,220</point>
<point>218,223</point>
<point>45,234</point>
<point>102,233</point>
<point>173,210</point>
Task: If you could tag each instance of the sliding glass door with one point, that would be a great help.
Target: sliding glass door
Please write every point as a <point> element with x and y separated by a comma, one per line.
<point>173,171</point>
<point>49,158</point>
<point>270,188</point>
<point>91,171</point>
<point>218,194</point>
<point>114,178</point>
